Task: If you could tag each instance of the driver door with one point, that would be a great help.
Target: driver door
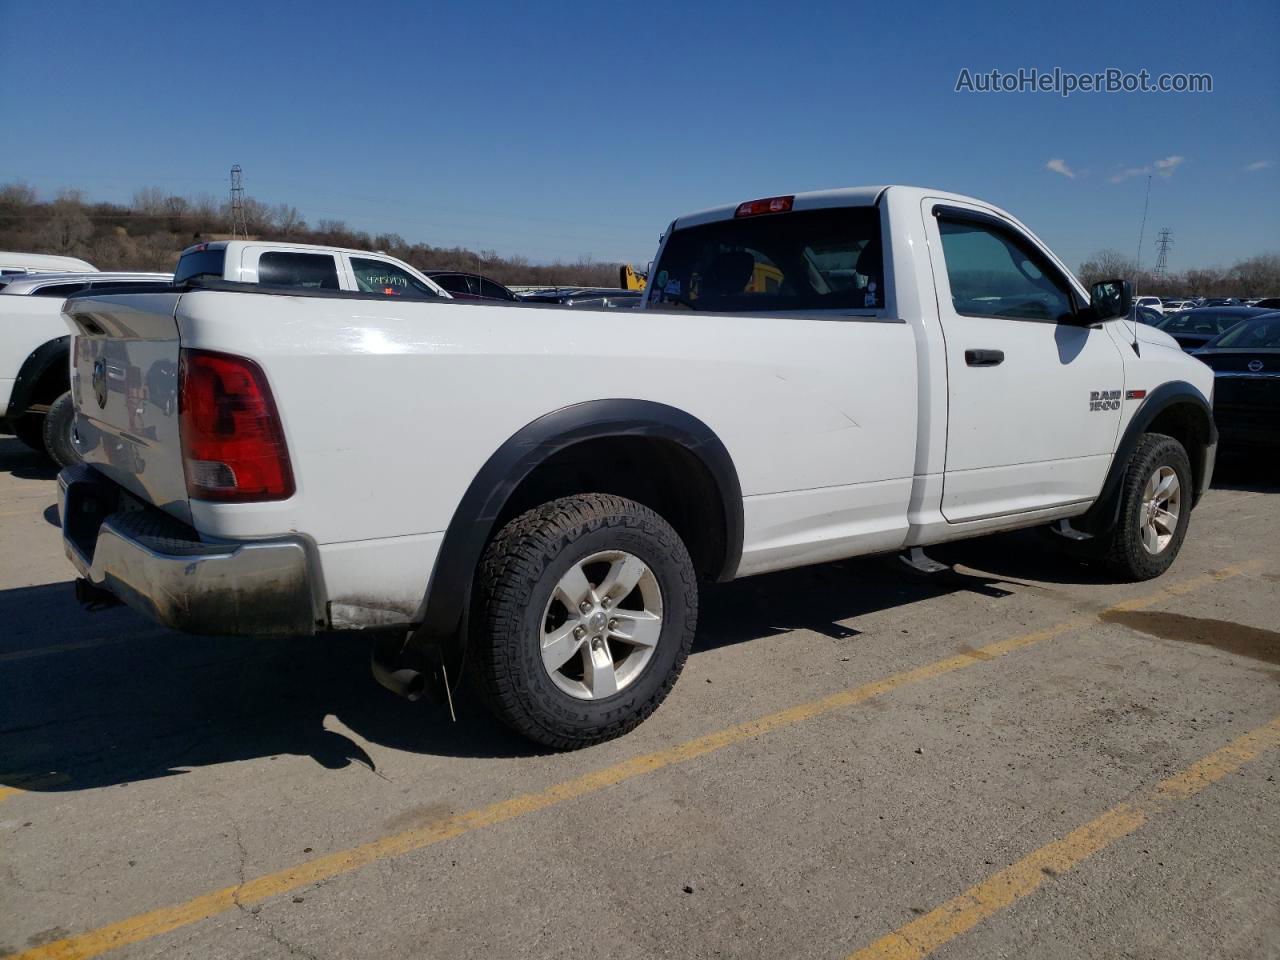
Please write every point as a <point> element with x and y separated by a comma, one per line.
<point>1033,396</point>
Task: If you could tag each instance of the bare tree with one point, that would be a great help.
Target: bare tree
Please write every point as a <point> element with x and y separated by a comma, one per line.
<point>288,221</point>
<point>149,200</point>
<point>17,195</point>
<point>1107,265</point>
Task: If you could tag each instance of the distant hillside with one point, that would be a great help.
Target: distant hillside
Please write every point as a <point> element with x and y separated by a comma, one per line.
<point>149,233</point>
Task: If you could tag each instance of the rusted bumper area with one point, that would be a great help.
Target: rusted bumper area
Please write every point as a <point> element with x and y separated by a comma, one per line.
<point>162,568</point>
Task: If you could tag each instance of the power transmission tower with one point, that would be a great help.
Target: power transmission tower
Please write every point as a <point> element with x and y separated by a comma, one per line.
<point>239,227</point>
<point>1163,242</point>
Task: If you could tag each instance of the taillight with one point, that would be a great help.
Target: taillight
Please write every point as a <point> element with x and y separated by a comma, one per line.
<point>753,208</point>
<point>233,445</point>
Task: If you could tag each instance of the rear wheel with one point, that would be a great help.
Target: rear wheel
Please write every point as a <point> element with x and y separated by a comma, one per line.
<point>1155,508</point>
<point>586,609</point>
<point>58,424</point>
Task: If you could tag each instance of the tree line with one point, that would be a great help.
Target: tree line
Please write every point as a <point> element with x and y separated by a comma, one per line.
<point>1257,276</point>
<point>150,232</point>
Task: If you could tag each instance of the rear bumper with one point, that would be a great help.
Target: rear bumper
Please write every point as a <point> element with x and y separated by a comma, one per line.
<point>161,568</point>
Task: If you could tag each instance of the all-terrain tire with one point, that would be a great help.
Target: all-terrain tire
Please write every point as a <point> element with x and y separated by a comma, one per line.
<point>1123,552</point>
<point>58,423</point>
<point>518,573</point>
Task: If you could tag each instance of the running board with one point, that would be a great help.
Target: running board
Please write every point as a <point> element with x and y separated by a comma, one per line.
<point>917,561</point>
<point>1063,528</point>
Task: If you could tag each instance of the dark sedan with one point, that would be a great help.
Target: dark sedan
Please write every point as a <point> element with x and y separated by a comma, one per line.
<point>1194,328</point>
<point>471,286</point>
<point>1246,374</point>
<point>589,297</point>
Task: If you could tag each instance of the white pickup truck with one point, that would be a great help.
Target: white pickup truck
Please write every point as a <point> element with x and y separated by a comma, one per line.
<point>535,492</point>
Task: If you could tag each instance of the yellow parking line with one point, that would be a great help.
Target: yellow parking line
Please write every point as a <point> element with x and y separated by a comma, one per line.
<point>144,926</point>
<point>27,784</point>
<point>940,926</point>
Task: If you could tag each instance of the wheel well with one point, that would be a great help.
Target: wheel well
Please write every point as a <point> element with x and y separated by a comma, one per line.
<point>662,474</point>
<point>54,381</point>
<point>1187,424</point>
<point>51,381</point>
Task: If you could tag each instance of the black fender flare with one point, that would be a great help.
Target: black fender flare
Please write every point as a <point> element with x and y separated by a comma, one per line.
<point>475,518</point>
<point>1105,512</point>
<point>39,362</point>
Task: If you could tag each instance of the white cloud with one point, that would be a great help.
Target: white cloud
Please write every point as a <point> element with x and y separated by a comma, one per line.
<point>1058,165</point>
<point>1162,168</point>
<point>1259,165</point>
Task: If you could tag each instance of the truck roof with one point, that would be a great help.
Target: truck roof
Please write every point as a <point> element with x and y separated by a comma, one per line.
<point>24,283</point>
<point>837,197</point>
<point>280,245</point>
<point>43,263</point>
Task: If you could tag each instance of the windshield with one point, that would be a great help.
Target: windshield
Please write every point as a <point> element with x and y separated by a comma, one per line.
<point>1258,334</point>
<point>810,260</point>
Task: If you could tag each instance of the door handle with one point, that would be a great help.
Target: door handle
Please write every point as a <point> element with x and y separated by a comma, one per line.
<point>984,358</point>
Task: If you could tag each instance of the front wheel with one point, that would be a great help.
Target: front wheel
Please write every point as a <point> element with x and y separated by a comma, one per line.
<point>1155,508</point>
<point>586,608</point>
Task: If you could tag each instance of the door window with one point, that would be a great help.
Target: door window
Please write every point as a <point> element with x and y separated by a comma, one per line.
<point>494,291</point>
<point>992,273</point>
<point>382,277</point>
<point>317,271</point>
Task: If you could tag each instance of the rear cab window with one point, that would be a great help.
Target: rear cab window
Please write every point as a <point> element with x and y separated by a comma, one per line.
<point>311,271</point>
<point>200,263</point>
<point>827,259</point>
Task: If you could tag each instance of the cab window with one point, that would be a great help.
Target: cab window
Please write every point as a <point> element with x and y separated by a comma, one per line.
<point>315,271</point>
<point>996,274</point>
<point>381,277</point>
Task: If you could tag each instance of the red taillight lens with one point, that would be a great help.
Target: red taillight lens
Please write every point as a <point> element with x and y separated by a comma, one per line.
<point>753,208</point>
<point>233,446</point>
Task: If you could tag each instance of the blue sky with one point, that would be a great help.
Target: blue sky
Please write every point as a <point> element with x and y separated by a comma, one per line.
<point>556,130</point>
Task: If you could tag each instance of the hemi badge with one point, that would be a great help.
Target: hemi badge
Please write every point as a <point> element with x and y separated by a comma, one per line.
<point>1135,394</point>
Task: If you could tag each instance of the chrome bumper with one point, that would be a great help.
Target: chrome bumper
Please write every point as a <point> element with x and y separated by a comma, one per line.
<point>161,568</point>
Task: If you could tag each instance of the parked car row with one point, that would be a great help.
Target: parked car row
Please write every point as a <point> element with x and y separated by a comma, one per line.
<point>1166,304</point>
<point>1246,368</point>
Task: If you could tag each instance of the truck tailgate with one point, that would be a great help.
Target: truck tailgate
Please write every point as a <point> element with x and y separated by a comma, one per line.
<point>124,379</point>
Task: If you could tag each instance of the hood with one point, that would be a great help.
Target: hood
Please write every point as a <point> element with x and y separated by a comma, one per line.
<point>1151,335</point>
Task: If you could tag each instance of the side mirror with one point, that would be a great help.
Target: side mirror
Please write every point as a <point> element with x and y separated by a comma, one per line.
<point>1109,299</point>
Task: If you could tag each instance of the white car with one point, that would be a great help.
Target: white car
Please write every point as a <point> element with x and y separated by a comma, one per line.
<point>35,402</point>
<point>12,262</point>
<point>539,490</point>
<point>1151,303</point>
<point>306,266</point>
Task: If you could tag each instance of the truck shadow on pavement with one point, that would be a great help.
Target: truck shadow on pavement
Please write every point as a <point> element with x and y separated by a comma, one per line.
<point>23,462</point>
<point>97,699</point>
